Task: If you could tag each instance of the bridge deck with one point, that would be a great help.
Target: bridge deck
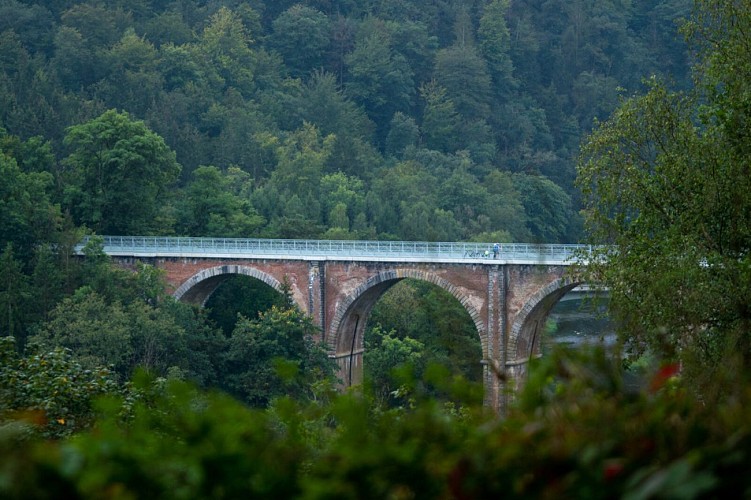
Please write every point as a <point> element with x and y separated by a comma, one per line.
<point>336,250</point>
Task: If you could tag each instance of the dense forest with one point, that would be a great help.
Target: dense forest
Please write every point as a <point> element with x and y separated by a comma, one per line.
<point>487,120</point>
<point>412,120</point>
<point>442,121</point>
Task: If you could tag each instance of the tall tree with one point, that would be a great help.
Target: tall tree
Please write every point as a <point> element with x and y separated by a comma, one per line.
<point>666,183</point>
<point>403,133</point>
<point>505,208</point>
<point>440,122</point>
<point>379,77</point>
<point>117,174</point>
<point>321,103</point>
<point>33,24</point>
<point>14,295</point>
<point>225,50</point>
<point>132,82</point>
<point>275,356</point>
<point>302,35</point>
<point>344,196</point>
<point>167,27</point>
<point>99,25</point>
<point>46,282</point>
<point>548,208</point>
<point>464,74</point>
<point>495,46</point>
<point>27,215</point>
<point>216,204</point>
<point>302,159</point>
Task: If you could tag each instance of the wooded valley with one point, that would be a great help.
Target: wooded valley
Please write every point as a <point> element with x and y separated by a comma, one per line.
<point>545,121</point>
<point>440,121</point>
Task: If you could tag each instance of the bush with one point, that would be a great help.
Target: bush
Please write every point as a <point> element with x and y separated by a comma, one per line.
<point>50,389</point>
<point>575,431</point>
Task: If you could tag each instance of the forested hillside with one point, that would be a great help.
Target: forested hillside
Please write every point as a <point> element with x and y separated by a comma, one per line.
<point>431,120</point>
<point>418,120</point>
<point>423,120</point>
<point>440,120</point>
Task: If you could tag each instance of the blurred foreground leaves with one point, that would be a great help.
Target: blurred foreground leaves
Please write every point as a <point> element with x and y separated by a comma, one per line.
<point>576,430</point>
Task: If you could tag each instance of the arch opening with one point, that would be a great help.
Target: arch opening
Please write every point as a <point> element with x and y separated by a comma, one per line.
<point>579,318</point>
<point>422,313</point>
<point>198,288</point>
<point>240,294</point>
<point>529,328</point>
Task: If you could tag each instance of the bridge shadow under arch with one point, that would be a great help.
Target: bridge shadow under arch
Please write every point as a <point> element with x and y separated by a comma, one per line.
<point>345,336</point>
<point>198,288</point>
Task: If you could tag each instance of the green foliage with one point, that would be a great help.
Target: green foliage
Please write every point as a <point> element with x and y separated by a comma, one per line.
<point>116,284</point>
<point>226,53</point>
<point>495,44</point>
<point>198,355</point>
<point>301,34</point>
<point>440,121</point>
<point>665,183</point>
<point>505,209</point>
<point>343,197</point>
<point>47,282</point>
<point>229,84</point>
<point>190,445</point>
<point>547,206</point>
<point>574,432</point>
<point>507,88</point>
<point>386,357</point>
<point>379,78</point>
<point>274,356</point>
<point>112,334</point>
<point>302,158</point>
<point>27,215</point>
<point>463,73</point>
<point>132,76</point>
<point>49,390</point>
<point>14,293</point>
<point>216,204</point>
<point>322,102</point>
<point>240,295</point>
<point>418,328</point>
<point>119,170</point>
<point>125,320</point>
<point>403,133</point>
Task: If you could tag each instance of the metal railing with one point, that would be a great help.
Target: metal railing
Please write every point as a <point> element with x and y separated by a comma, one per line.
<point>331,249</point>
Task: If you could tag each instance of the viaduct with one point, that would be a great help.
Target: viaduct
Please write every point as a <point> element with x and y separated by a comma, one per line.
<point>508,295</point>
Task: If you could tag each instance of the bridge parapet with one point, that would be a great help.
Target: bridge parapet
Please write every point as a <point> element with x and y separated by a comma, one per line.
<point>356,250</point>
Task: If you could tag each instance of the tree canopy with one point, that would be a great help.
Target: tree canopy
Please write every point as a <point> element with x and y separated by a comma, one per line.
<point>117,174</point>
<point>507,87</point>
<point>370,119</point>
<point>665,183</point>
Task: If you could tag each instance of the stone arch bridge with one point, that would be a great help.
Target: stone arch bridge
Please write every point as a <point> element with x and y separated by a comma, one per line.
<point>508,295</point>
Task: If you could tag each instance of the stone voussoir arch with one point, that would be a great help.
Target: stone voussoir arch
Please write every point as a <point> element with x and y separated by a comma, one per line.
<point>558,287</point>
<point>333,335</point>
<point>216,271</point>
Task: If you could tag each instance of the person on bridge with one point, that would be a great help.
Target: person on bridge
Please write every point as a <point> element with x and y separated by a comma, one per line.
<point>496,249</point>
